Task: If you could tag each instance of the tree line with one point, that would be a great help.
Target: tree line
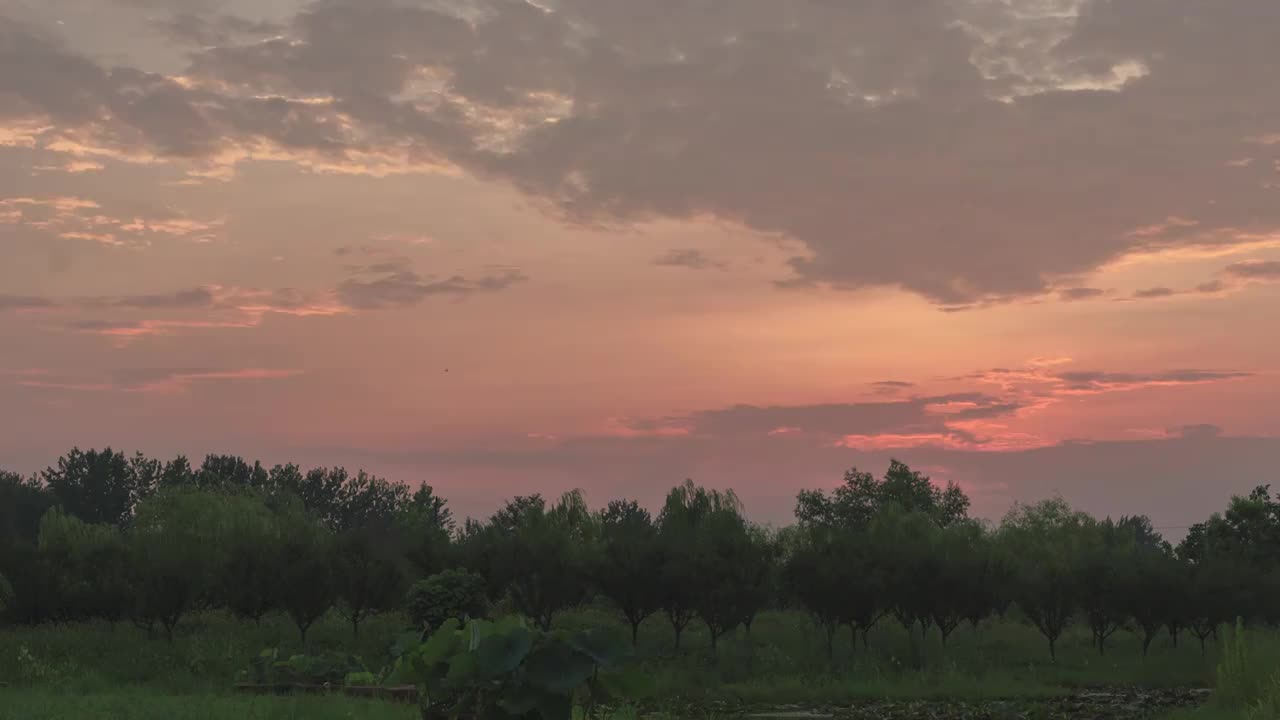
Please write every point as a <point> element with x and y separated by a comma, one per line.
<point>104,536</point>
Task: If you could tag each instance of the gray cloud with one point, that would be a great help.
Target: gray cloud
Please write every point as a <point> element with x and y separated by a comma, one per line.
<point>1153,293</point>
<point>836,124</point>
<point>1095,380</point>
<point>1080,293</point>
<point>194,298</point>
<point>394,283</point>
<point>692,259</point>
<point>1196,431</point>
<point>24,302</point>
<point>1255,269</point>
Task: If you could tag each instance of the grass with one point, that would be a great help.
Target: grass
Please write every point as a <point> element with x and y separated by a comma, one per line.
<point>140,704</point>
<point>62,671</point>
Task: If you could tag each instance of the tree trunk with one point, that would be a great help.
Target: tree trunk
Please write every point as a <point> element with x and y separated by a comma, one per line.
<point>1053,650</point>
<point>635,633</point>
<point>355,625</point>
<point>866,643</point>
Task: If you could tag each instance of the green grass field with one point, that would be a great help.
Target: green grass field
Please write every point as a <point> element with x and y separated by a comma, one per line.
<point>97,671</point>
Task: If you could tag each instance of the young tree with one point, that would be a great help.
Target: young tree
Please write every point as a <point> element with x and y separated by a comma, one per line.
<point>1045,539</point>
<point>425,526</point>
<point>369,571</point>
<point>629,561</point>
<point>1101,571</point>
<point>544,556</point>
<point>685,553</point>
<point>307,585</point>
<point>180,543</point>
<point>1150,579</point>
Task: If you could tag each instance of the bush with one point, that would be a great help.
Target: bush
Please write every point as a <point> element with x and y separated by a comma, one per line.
<point>449,594</point>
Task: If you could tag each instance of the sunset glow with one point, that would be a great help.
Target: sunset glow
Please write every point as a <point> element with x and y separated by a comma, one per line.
<point>503,248</point>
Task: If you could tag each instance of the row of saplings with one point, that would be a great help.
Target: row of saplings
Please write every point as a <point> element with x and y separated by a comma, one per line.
<point>699,558</point>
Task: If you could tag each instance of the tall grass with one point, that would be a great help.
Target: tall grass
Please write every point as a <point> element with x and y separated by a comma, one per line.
<point>1249,674</point>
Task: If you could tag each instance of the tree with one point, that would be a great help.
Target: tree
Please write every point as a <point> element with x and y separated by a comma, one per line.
<point>369,572</point>
<point>1101,571</point>
<point>684,587</point>
<point>630,559</point>
<point>369,501</point>
<point>1151,578</point>
<point>91,564</point>
<point>23,501</point>
<point>249,578</point>
<point>308,586</point>
<point>230,472</point>
<point>180,544</point>
<point>449,594</point>
<point>425,525</point>
<point>98,487</point>
<point>820,577</point>
<point>543,556</point>
<point>1045,539</point>
<point>957,590</point>
<point>177,473</point>
<point>862,497</point>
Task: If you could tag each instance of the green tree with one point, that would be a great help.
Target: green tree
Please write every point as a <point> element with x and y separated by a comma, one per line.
<point>180,544</point>
<point>629,561</point>
<point>369,571</point>
<point>98,487</point>
<point>1045,539</point>
<point>308,586</point>
<point>861,497</point>
<point>544,557</point>
<point>23,501</point>
<point>230,472</point>
<point>92,568</point>
<point>425,526</point>
<point>457,594</point>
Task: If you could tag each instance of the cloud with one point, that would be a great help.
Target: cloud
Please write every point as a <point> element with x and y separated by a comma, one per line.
<point>891,387</point>
<point>193,298</point>
<point>829,123</point>
<point>74,218</point>
<point>1094,381</point>
<point>1255,270</point>
<point>1196,431</point>
<point>1153,293</point>
<point>394,284</point>
<point>1079,293</point>
<point>692,259</point>
<point>154,380</point>
<point>24,302</point>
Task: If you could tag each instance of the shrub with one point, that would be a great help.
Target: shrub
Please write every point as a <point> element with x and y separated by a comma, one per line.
<point>506,669</point>
<point>449,594</point>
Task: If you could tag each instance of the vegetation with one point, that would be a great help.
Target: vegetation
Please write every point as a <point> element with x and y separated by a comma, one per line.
<point>714,605</point>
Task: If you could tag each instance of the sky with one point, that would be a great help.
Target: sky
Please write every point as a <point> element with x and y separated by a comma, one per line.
<point>506,246</point>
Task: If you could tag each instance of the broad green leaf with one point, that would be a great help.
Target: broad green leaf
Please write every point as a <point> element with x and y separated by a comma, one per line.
<point>606,646</point>
<point>501,653</point>
<point>557,667</point>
